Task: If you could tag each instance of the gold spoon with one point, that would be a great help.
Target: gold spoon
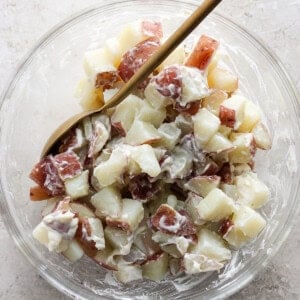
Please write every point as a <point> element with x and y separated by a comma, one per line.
<point>155,60</point>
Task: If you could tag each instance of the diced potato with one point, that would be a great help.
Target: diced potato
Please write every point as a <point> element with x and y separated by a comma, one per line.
<point>142,133</point>
<point>244,148</point>
<point>126,112</point>
<point>132,214</point>
<point>74,251</point>
<point>176,246</point>
<point>156,269</point>
<point>231,111</point>
<point>230,190</point>
<point>225,131</point>
<point>252,191</point>
<point>150,115</point>
<point>118,239</point>
<point>261,136</point>
<point>78,186</point>
<point>90,97</point>
<point>222,80</point>
<point>145,157</point>
<point>113,50</point>
<point>155,98</point>
<point>213,101</point>
<point>98,139</point>
<point>252,116</point>
<point>192,203</point>
<point>128,273</point>
<point>106,259</point>
<point>211,245</point>
<point>247,224</point>
<point>96,233</point>
<point>82,210</point>
<point>97,61</point>
<point>194,85</point>
<point>195,263</point>
<point>111,170</point>
<point>107,202</point>
<point>184,123</point>
<point>108,94</point>
<point>176,57</point>
<point>172,201</point>
<point>170,135</point>
<point>175,266</point>
<point>202,185</point>
<point>240,169</point>
<point>218,143</point>
<point>215,206</point>
<point>206,125</point>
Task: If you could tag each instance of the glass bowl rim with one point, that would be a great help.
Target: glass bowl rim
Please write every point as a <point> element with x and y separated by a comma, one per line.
<point>12,229</point>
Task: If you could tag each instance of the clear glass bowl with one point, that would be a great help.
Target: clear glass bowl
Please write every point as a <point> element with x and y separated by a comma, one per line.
<point>40,97</point>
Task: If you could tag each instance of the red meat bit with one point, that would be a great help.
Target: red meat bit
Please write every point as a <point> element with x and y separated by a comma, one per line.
<point>107,80</point>
<point>119,128</point>
<point>38,193</point>
<point>133,59</point>
<point>73,140</point>
<point>117,223</point>
<point>67,164</point>
<point>190,109</point>
<point>168,220</point>
<point>225,173</point>
<point>141,188</point>
<point>45,174</point>
<point>225,227</point>
<point>202,53</point>
<point>169,82</point>
<point>227,116</point>
<point>150,28</point>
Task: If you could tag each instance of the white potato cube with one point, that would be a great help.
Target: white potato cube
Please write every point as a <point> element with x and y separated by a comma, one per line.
<point>111,170</point>
<point>170,135</point>
<point>100,137</point>
<point>108,94</point>
<point>142,133</point>
<point>107,202</point>
<point>211,245</point>
<point>78,186</point>
<point>132,213</point>
<point>192,202</point>
<point>176,57</point>
<point>222,80</point>
<point>82,210</point>
<point>202,185</point>
<point>215,206</point>
<point>97,61</point>
<point>96,233</point>
<point>156,269</point>
<point>261,136</point>
<point>240,169</point>
<point>113,50</point>
<point>247,224</point>
<point>230,190</point>
<point>252,191</point>
<point>184,123</point>
<point>252,116</point>
<point>145,157</point>
<point>232,111</point>
<point>244,148</point>
<point>150,115</point>
<point>194,85</point>
<point>128,273</point>
<point>224,130</point>
<point>74,251</point>
<point>126,112</point>
<point>118,239</point>
<point>213,101</point>
<point>90,97</point>
<point>206,124</point>
<point>218,143</point>
<point>195,263</point>
<point>154,98</point>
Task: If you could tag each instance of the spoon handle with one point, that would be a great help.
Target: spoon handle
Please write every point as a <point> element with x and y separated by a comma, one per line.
<point>163,52</point>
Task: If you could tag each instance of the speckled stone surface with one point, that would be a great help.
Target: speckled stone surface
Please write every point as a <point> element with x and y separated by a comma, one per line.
<point>276,23</point>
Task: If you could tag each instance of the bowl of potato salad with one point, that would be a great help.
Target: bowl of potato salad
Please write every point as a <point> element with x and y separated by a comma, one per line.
<point>185,189</point>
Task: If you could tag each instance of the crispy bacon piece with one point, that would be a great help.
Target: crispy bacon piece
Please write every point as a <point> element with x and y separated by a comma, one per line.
<point>168,220</point>
<point>225,226</point>
<point>169,82</point>
<point>73,140</point>
<point>45,174</point>
<point>107,80</point>
<point>84,231</point>
<point>202,53</point>
<point>141,188</point>
<point>152,28</point>
<point>134,58</point>
<point>67,164</point>
<point>190,109</point>
<point>38,193</point>
<point>227,116</point>
<point>117,223</point>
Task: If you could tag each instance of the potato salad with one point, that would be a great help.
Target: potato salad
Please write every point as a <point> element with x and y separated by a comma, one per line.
<point>164,182</point>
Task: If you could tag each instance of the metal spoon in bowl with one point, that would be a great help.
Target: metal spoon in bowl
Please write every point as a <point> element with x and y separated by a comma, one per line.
<point>155,60</point>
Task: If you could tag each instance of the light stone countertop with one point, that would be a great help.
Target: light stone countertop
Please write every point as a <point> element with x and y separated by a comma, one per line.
<point>22,22</point>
